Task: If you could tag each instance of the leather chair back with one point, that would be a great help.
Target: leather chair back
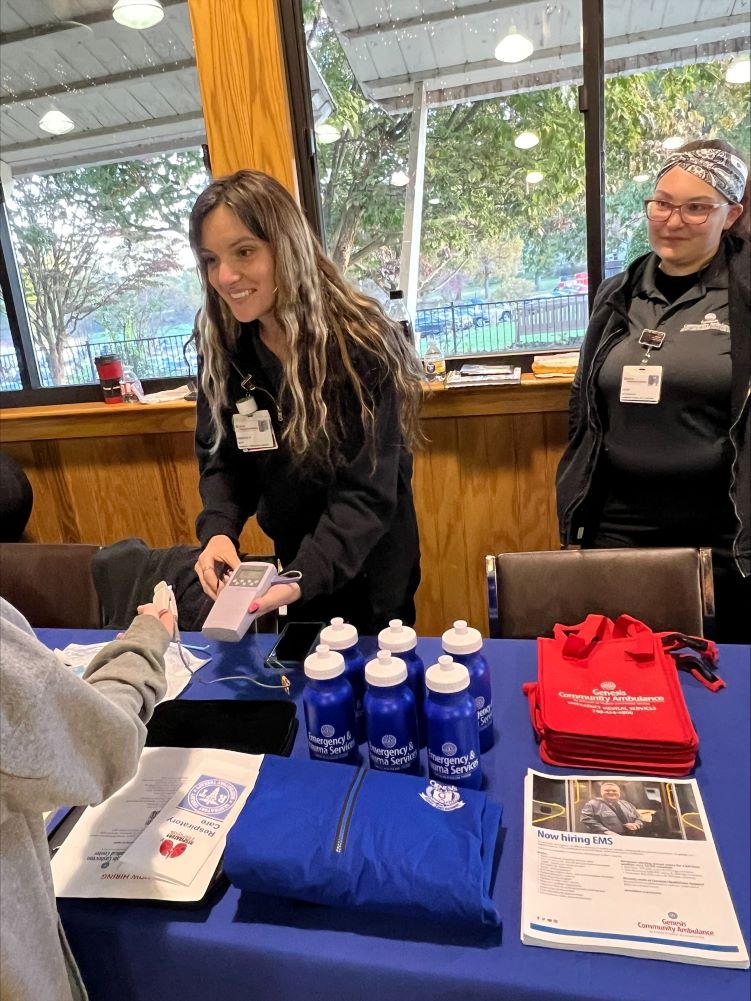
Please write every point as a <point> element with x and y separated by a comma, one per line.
<point>50,584</point>
<point>665,588</point>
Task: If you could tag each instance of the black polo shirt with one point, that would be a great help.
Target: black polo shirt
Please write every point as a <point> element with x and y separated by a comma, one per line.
<point>671,460</point>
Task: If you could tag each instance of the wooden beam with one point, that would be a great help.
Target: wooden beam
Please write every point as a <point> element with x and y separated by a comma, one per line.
<point>573,49</point>
<point>542,79</point>
<point>243,87</point>
<point>64,31</point>
<point>74,87</point>
<point>426,20</point>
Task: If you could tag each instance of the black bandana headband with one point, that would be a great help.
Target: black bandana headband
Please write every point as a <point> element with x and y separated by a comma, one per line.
<point>725,172</point>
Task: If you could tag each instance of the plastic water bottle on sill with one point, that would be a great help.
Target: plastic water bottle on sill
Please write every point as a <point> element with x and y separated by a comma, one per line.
<point>398,312</point>
<point>435,364</point>
<point>130,386</point>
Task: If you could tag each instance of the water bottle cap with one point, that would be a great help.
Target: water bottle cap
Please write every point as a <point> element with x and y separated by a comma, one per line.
<point>462,638</point>
<point>398,638</point>
<point>447,676</point>
<point>385,670</point>
<point>340,635</point>
<point>323,664</point>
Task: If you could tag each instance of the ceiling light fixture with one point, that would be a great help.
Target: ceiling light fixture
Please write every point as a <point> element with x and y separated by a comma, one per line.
<point>399,179</point>
<point>672,142</point>
<point>526,140</point>
<point>739,70</point>
<point>534,177</point>
<point>514,47</point>
<point>56,122</point>
<point>138,14</point>
<point>327,133</point>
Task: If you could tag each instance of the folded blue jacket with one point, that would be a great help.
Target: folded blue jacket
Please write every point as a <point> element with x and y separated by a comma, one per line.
<point>349,837</point>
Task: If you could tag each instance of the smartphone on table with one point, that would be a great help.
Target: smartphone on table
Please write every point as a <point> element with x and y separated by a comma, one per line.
<point>295,642</point>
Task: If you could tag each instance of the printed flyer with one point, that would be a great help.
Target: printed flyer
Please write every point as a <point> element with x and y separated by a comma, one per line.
<point>625,865</point>
<point>88,864</point>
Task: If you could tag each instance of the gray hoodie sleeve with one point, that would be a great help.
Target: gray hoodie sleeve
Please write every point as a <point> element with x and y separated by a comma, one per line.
<point>68,741</point>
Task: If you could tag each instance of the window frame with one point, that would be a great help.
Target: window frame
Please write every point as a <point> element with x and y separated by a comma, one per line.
<point>591,105</point>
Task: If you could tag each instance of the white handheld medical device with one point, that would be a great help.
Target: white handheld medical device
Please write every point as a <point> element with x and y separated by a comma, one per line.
<point>230,619</point>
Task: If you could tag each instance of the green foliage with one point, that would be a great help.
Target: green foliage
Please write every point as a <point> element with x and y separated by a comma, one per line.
<point>475,176</point>
<point>94,239</point>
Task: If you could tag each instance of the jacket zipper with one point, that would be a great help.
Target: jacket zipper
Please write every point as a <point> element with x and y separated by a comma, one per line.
<point>733,470</point>
<point>348,806</point>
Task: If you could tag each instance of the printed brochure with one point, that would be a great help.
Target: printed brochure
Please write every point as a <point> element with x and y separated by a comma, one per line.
<point>214,784</point>
<point>625,865</point>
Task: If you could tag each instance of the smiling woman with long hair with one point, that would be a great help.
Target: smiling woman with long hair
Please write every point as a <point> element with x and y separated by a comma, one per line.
<point>660,433</point>
<point>330,394</point>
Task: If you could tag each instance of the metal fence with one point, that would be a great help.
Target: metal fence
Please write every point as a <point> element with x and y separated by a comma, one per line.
<point>505,326</point>
<point>458,329</point>
<point>149,357</point>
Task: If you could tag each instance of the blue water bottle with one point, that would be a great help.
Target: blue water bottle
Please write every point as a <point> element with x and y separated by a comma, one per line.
<point>342,636</point>
<point>453,730</point>
<point>402,640</point>
<point>464,644</point>
<point>390,716</point>
<point>329,708</point>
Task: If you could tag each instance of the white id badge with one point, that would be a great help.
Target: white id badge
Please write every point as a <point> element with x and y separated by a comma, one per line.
<point>254,432</point>
<point>641,383</point>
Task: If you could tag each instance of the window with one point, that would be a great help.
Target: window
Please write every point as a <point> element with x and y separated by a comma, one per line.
<point>669,84</point>
<point>102,134</point>
<point>496,216</point>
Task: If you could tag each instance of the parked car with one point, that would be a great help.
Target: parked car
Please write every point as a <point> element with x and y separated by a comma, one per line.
<point>430,324</point>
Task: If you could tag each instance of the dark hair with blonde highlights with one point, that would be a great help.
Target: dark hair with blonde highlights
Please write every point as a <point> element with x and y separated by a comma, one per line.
<point>334,335</point>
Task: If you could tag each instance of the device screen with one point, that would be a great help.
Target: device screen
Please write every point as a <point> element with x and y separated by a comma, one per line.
<point>294,644</point>
<point>248,576</point>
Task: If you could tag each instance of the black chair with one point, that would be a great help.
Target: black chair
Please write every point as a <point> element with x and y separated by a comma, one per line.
<point>51,584</point>
<point>668,589</point>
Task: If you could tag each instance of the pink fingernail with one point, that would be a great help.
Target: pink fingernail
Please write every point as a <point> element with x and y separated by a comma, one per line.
<point>253,607</point>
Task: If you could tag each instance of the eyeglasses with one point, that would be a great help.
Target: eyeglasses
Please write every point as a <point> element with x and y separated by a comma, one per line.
<point>691,213</point>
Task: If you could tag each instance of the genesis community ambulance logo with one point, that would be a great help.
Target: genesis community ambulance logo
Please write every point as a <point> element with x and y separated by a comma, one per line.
<point>442,797</point>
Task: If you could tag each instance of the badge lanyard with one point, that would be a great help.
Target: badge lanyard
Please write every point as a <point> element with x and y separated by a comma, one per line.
<point>643,383</point>
<point>253,428</point>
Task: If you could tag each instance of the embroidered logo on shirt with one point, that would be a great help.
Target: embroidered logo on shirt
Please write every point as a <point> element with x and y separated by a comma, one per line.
<point>710,322</point>
<point>443,797</point>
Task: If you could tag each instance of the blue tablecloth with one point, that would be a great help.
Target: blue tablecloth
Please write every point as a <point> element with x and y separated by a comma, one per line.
<point>251,949</point>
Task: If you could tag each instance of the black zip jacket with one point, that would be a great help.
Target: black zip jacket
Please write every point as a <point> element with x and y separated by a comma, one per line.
<point>352,534</point>
<point>575,480</point>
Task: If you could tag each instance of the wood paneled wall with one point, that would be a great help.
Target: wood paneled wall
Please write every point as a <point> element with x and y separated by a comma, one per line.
<point>243,87</point>
<point>484,484</point>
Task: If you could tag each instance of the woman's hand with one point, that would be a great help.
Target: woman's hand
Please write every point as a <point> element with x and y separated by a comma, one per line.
<point>219,550</point>
<point>276,596</point>
<point>165,616</point>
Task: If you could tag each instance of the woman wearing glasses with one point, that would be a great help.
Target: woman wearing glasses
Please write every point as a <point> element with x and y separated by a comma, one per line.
<point>659,447</point>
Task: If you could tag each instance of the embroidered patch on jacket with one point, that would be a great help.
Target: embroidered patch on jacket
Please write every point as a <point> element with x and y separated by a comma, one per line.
<point>710,322</point>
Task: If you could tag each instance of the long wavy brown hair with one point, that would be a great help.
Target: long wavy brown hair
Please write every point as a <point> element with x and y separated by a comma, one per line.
<point>333,333</point>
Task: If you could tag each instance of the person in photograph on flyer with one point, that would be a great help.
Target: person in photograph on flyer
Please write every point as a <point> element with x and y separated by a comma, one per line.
<point>610,813</point>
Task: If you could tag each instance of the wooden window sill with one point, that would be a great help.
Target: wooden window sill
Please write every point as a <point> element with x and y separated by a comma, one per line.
<point>102,420</point>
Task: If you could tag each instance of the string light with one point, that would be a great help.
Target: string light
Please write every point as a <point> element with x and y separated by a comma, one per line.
<point>526,140</point>
<point>56,122</point>
<point>739,70</point>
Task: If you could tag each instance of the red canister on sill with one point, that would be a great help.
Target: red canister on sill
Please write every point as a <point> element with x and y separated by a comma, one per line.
<point>110,369</point>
